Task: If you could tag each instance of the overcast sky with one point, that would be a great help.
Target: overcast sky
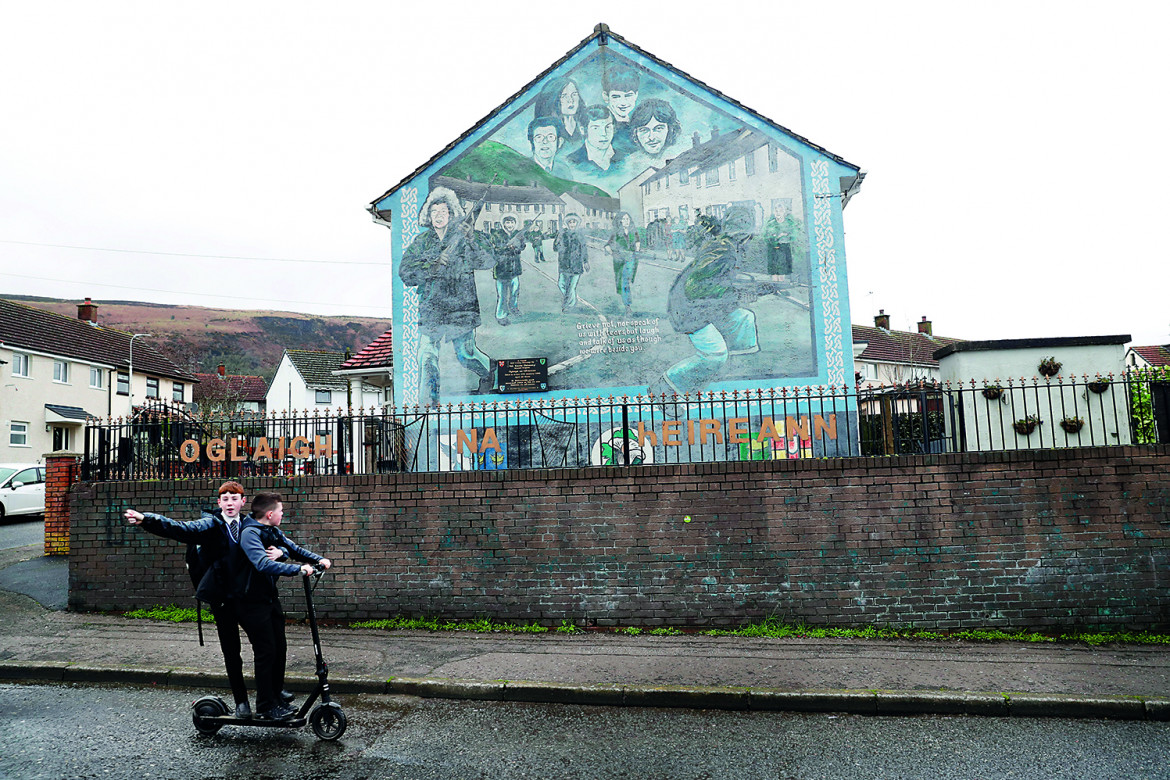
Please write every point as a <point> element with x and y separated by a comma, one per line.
<point>190,153</point>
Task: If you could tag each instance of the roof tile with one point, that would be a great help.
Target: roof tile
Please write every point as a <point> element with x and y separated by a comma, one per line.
<point>25,327</point>
<point>898,346</point>
<point>379,354</point>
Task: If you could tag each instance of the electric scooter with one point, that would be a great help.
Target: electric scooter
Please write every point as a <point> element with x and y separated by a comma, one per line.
<point>328,721</point>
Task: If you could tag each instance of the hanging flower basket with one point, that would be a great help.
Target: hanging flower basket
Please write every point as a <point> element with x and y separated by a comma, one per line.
<point>1072,424</point>
<point>1025,425</point>
<point>1099,385</point>
<point>1049,367</point>
<point>992,392</point>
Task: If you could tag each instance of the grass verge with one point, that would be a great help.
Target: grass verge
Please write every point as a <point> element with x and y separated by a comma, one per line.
<point>770,628</point>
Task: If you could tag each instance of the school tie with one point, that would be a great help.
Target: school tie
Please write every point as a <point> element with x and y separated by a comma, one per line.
<point>234,530</point>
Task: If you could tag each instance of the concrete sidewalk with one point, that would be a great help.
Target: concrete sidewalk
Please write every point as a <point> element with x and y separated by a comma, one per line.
<point>874,677</point>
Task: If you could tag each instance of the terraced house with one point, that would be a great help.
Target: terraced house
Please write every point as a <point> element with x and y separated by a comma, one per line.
<point>58,372</point>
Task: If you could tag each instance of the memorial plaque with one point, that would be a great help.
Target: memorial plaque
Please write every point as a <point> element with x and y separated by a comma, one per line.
<point>522,375</point>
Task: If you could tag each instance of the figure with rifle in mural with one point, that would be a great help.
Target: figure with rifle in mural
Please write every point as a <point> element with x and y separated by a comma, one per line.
<point>708,301</point>
<point>572,260</point>
<point>507,244</point>
<point>441,262</point>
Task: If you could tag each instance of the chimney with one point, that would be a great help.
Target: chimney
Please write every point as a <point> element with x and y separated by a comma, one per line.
<point>714,132</point>
<point>695,139</point>
<point>87,311</point>
<point>222,371</point>
<point>924,326</point>
<point>882,320</point>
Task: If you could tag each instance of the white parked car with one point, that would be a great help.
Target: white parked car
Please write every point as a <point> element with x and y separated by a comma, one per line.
<point>22,489</point>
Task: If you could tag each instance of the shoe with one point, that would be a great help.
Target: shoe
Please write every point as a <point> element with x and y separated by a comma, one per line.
<point>287,696</point>
<point>504,321</point>
<point>243,711</point>
<point>279,712</point>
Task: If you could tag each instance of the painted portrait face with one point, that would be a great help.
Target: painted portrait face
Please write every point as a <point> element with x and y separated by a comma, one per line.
<point>509,224</point>
<point>570,99</point>
<point>544,142</point>
<point>571,223</point>
<point>599,133</point>
<point>626,220</point>
<point>621,103</point>
<point>440,215</point>
<point>652,136</point>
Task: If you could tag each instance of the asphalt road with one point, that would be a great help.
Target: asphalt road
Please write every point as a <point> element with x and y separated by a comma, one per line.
<point>20,532</point>
<point>56,731</point>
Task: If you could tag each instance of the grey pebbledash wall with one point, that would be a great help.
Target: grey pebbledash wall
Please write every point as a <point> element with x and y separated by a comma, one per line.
<point>1020,539</point>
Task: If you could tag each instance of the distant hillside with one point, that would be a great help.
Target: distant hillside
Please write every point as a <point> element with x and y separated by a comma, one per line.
<point>246,342</point>
<point>492,159</point>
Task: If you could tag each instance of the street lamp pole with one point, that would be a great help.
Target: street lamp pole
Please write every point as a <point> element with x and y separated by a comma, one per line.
<point>136,335</point>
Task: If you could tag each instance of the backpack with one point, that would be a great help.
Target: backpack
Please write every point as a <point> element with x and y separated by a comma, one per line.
<point>197,567</point>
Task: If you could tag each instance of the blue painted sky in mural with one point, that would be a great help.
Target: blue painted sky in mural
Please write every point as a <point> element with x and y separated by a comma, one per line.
<point>1015,188</point>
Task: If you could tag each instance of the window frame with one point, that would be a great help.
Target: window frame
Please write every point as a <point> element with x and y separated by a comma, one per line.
<point>12,434</point>
<point>61,372</point>
<point>22,360</point>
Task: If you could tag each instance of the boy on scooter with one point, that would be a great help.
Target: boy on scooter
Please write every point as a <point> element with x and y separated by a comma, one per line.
<point>260,610</point>
<point>221,586</point>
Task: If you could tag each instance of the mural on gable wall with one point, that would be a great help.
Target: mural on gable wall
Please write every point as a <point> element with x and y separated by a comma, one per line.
<point>637,231</point>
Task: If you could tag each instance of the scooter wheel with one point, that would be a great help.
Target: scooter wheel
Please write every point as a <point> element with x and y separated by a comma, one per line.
<point>328,721</point>
<point>203,710</point>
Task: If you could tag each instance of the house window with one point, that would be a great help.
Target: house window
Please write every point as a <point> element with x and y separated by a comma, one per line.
<point>683,176</point>
<point>96,377</point>
<point>60,438</point>
<point>731,171</point>
<point>178,390</point>
<point>18,434</point>
<point>683,214</point>
<point>749,164</point>
<point>324,396</point>
<point>773,159</point>
<point>152,387</point>
<point>712,177</point>
<point>20,364</point>
<point>123,384</point>
<point>61,371</point>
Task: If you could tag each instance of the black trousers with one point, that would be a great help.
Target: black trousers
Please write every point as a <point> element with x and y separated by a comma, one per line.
<point>227,627</point>
<point>263,622</point>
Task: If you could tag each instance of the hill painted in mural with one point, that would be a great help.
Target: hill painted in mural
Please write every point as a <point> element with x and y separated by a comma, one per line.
<point>492,160</point>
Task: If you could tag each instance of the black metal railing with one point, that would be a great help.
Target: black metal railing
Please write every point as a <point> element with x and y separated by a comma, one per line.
<point>808,422</point>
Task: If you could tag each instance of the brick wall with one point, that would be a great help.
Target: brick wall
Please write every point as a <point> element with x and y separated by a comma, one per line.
<point>1023,539</point>
<point>61,471</point>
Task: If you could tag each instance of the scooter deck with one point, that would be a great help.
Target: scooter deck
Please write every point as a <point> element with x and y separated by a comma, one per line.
<point>232,720</point>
